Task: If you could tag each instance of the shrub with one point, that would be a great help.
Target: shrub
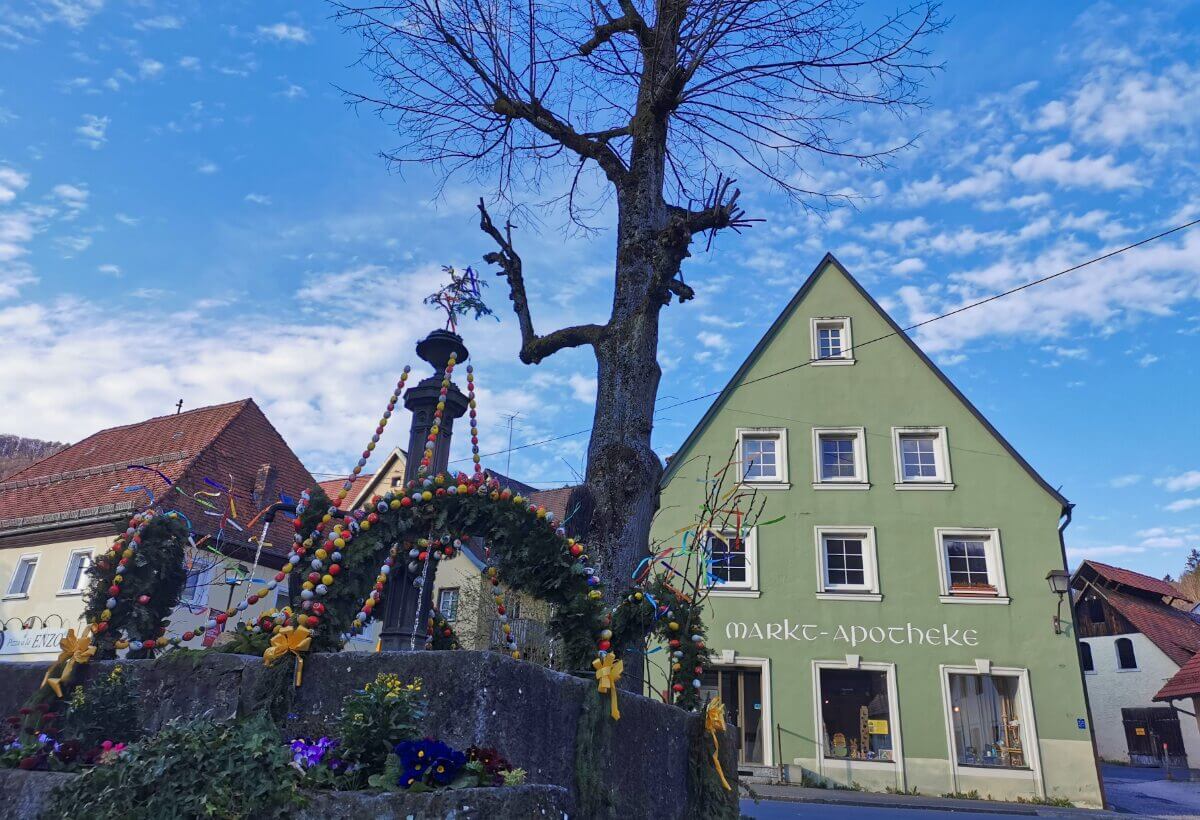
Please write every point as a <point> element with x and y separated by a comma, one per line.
<point>374,720</point>
<point>195,769</point>
<point>106,710</point>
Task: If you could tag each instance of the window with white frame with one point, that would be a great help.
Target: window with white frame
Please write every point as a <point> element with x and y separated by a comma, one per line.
<point>763,455</point>
<point>988,717</point>
<point>22,577</point>
<point>76,575</point>
<point>196,582</point>
<point>970,565</point>
<point>448,603</point>
<point>732,560</point>
<point>846,563</point>
<point>831,343</point>
<point>840,457</point>
<point>922,457</point>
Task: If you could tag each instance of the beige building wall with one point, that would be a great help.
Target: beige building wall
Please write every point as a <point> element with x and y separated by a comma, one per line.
<point>46,596</point>
<point>1111,689</point>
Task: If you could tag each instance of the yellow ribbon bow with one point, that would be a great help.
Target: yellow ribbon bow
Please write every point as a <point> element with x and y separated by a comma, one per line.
<point>289,640</point>
<point>75,649</point>
<point>608,672</point>
<point>714,721</point>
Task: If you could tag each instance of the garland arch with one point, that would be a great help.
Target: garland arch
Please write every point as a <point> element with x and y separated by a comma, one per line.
<point>341,560</point>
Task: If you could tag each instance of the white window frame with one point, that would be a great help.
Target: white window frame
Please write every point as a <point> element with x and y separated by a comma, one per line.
<point>1117,656</point>
<point>994,553</point>
<point>203,581</point>
<point>1031,742</point>
<point>815,324</point>
<point>66,590</point>
<point>29,557</point>
<point>860,480</point>
<point>739,589</point>
<point>457,601</point>
<point>941,452</point>
<point>780,481</point>
<point>825,765</point>
<point>868,591</point>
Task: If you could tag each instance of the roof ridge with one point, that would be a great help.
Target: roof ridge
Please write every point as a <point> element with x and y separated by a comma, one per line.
<point>827,261</point>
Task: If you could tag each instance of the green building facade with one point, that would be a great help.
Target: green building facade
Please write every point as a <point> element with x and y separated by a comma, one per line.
<point>894,630</point>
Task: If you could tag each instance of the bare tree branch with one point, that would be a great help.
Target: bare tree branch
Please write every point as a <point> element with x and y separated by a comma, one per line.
<point>534,348</point>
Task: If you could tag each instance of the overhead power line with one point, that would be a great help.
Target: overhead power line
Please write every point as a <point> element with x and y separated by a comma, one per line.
<point>806,362</point>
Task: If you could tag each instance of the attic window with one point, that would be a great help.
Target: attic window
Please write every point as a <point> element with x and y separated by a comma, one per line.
<point>831,341</point>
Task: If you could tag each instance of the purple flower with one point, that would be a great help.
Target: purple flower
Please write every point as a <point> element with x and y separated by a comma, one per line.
<point>308,754</point>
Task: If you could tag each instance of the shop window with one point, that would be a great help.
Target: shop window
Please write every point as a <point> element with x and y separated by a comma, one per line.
<point>855,714</point>
<point>1085,657</point>
<point>987,715</point>
<point>1125,656</point>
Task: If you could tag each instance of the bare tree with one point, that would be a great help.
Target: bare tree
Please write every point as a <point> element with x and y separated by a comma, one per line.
<point>654,103</point>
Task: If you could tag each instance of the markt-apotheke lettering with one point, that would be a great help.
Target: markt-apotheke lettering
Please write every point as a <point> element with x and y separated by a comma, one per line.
<point>854,634</point>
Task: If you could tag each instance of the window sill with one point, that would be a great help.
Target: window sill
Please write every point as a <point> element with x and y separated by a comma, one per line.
<point>63,593</point>
<point>973,770</point>
<point>880,765</point>
<point>733,593</point>
<point>849,596</point>
<point>765,485</point>
<point>924,485</point>
<point>1134,669</point>
<point>830,362</point>
<point>15,596</point>
<point>841,485</point>
<point>1001,600</point>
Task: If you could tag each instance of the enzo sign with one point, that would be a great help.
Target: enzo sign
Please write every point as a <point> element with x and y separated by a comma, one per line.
<point>853,634</point>
<point>31,641</point>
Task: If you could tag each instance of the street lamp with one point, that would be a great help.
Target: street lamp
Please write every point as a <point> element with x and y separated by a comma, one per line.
<point>1059,581</point>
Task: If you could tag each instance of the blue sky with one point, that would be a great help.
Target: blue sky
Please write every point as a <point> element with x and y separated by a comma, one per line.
<point>189,209</point>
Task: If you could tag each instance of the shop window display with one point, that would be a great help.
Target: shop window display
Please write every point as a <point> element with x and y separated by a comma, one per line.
<point>855,714</point>
<point>987,721</point>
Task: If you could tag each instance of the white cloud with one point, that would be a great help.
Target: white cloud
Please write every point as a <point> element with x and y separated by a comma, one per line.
<point>713,341</point>
<point>293,92</point>
<point>1147,360</point>
<point>1182,505</point>
<point>1165,542</point>
<point>1054,164</point>
<point>74,13</point>
<point>110,270</point>
<point>1076,553</point>
<point>94,131</point>
<point>160,22</point>
<point>1125,480</point>
<point>908,266</point>
<point>148,68</point>
<point>258,199</point>
<point>583,388</point>
<point>74,197</point>
<point>207,167</point>
<point>284,33</point>
<point>1183,482</point>
<point>126,219</point>
<point>12,182</point>
<point>189,63</point>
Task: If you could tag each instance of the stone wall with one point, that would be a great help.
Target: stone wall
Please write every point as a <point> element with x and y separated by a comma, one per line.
<point>533,716</point>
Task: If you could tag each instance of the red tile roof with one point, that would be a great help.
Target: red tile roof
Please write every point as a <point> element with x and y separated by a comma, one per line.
<point>225,443</point>
<point>1183,684</point>
<point>1175,632</point>
<point>1136,580</point>
<point>334,485</point>
<point>555,501</point>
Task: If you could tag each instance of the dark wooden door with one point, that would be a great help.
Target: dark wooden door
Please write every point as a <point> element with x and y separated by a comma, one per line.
<point>1152,734</point>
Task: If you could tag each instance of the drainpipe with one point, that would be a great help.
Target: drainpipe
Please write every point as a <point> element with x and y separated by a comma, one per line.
<point>1067,511</point>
